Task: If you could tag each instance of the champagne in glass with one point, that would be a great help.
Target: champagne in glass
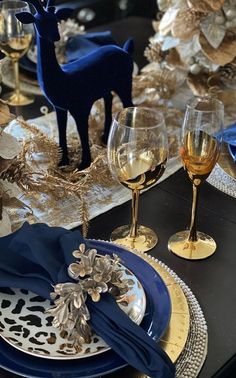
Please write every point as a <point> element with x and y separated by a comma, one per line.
<point>15,39</point>
<point>200,149</point>
<point>137,156</point>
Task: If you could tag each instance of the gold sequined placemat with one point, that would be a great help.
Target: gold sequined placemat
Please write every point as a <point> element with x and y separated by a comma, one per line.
<point>186,338</point>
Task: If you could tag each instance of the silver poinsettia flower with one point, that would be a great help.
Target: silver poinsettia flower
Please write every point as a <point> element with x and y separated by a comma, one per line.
<point>118,280</point>
<point>83,267</point>
<point>94,275</point>
<point>103,269</point>
<point>64,296</point>
<point>94,289</point>
<point>64,289</point>
<point>82,251</point>
<point>116,260</point>
<point>78,252</point>
<point>86,263</point>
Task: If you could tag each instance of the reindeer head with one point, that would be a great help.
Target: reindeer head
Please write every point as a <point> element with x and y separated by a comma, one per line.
<point>45,19</point>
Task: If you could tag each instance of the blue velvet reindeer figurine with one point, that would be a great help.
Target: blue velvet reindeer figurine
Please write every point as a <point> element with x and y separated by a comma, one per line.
<point>75,86</point>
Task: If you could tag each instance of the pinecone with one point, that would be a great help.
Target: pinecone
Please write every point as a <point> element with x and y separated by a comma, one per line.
<point>16,172</point>
<point>228,72</point>
<point>153,53</point>
<point>197,15</point>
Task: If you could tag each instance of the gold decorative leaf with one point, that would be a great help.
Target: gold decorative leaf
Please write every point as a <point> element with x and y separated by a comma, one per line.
<point>225,52</point>
<point>185,25</point>
<point>189,49</point>
<point>5,115</point>
<point>227,97</point>
<point>206,5</point>
<point>198,84</point>
<point>4,164</point>
<point>173,59</point>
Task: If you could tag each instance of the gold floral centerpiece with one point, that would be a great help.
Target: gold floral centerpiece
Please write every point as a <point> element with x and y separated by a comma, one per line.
<point>199,37</point>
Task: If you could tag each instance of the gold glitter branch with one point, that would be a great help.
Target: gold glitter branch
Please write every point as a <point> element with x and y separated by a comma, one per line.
<point>41,142</point>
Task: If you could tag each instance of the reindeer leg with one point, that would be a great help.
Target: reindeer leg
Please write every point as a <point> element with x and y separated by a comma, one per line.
<point>61,123</point>
<point>82,127</point>
<point>125,94</point>
<point>108,117</point>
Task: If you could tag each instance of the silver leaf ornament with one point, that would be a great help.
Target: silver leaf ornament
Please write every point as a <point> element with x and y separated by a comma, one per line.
<point>189,49</point>
<point>213,32</point>
<point>167,20</point>
<point>9,146</point>
<point>5,224</point>
<point>169,43</point>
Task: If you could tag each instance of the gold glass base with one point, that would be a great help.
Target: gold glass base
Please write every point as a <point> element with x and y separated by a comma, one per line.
<point>17,99</point>
<point>146,238</point>
<point>204,247</point>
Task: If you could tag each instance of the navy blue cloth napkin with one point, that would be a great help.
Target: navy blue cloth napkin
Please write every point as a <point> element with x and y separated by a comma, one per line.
<point>228,135</point>
<point>37,256</point>
<point>82,44</point>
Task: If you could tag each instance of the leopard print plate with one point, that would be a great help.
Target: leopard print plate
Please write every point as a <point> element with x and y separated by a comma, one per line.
<point>24,324</point>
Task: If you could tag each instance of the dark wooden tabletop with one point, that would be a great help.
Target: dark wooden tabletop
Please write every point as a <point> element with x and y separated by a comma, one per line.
<point>166,209</point>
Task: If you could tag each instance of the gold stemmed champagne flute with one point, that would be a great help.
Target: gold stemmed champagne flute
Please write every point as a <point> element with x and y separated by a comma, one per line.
<point>200,148</point>
<point>137,156</point>
<point>15,39</point>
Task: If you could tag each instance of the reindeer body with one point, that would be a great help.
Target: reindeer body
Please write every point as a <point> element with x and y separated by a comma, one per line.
<point>75,86</point>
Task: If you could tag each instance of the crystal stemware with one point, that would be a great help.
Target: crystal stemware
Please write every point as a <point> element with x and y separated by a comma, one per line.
<point>137,156</point>
<point>201,137</point>
<point>15,39</point>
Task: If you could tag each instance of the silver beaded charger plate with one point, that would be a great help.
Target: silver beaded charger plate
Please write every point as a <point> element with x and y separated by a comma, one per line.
<point>223,176</point>
<point>25,325</point>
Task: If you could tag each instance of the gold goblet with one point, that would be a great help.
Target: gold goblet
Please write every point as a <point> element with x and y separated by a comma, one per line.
<point>201,142</point>
<point>15,39</point>
<point>137,156</point>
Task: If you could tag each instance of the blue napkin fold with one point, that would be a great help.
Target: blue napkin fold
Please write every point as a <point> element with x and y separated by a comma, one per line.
<point>232,151</point>
<point>37,256</point>
<point>228,135</point>
<point>82,44</point>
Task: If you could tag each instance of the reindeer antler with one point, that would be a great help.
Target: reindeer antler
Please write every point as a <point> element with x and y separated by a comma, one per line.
<point>50,3</point>
<point>38,5</point>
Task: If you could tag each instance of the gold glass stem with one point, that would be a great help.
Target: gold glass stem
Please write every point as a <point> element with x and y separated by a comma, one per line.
<point>193,226</point>
<point>15,63</point>
<point>134,224</point>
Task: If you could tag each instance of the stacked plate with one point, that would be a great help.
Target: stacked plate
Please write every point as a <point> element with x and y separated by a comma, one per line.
<point>31,347</point>
<point>28,79</point>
